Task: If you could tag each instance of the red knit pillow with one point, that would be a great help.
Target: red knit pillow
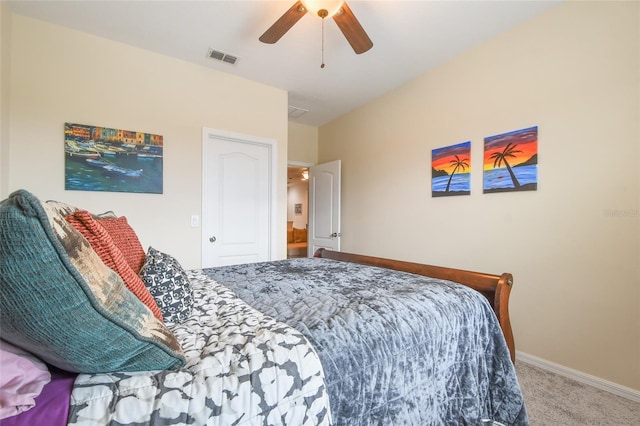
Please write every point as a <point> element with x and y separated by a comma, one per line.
<point>102,243</point>
<point>125,238</point>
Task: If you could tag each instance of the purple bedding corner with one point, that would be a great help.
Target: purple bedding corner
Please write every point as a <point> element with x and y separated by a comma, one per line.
<point>52,405</point>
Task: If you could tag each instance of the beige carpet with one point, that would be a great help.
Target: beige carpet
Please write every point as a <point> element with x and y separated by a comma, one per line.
<point>555,400</point>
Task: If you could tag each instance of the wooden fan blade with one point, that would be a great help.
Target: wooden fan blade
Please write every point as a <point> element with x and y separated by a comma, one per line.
<point>284,23</point>
<point>352,30</point>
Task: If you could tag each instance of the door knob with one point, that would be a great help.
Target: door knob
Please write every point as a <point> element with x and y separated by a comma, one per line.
<point>212,239</point>
<point>335,235</point>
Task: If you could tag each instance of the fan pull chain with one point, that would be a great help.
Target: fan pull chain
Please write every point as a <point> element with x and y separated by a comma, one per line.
<point>322,65</point>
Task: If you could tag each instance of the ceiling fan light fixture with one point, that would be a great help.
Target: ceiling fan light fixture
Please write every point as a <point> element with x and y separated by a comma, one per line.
<point>323,8</point>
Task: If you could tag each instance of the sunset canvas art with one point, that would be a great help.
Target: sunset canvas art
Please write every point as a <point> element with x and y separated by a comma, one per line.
<point>511,161</point>
<point>451,170</point>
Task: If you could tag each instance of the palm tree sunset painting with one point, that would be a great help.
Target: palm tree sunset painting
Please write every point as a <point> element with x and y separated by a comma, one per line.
<point>451,170</point>
<point>511,161</point>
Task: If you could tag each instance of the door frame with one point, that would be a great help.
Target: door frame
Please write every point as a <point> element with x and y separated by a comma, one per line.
<point>299,164</point>
<point>272,146</point>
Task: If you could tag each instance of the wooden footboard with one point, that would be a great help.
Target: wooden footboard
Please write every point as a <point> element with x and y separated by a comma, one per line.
<point>496,288</point>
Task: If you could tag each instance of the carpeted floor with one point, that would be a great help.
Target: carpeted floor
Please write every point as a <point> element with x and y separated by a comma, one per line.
<point>552,399</point>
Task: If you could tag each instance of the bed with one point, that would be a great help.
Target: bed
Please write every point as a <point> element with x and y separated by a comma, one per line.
<point>336,339</point>
<point>400,342</point>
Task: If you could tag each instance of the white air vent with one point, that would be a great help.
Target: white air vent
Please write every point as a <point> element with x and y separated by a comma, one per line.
<point>295,112</point>
<point>221,56</point>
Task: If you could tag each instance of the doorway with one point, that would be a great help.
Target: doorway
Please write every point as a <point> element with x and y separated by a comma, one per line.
<point>314,203</point>
<point>297,210</point>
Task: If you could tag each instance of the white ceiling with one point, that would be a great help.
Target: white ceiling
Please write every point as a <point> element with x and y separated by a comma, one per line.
<point>409,38</point>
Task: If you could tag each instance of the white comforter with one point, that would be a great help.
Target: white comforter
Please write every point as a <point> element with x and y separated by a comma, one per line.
<point>243,368</point>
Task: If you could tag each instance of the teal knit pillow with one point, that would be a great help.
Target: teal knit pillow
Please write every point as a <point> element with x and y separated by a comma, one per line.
<point>61,303</point>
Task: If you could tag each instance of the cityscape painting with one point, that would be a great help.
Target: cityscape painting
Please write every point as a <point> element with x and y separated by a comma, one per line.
<point>451,170</point>
<point>105,159</point>
<point>511,161</point>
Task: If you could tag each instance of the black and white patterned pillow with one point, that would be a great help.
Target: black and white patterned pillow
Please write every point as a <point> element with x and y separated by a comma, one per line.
<point>169,285</point>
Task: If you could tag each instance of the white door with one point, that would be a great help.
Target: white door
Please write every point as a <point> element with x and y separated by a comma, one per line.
<point>238,194</point>
<point>324,206</point>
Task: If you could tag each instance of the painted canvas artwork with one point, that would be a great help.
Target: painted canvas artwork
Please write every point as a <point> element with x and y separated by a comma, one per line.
<point>451,170</point>
<point>511,161</point>
<point>104,159</point>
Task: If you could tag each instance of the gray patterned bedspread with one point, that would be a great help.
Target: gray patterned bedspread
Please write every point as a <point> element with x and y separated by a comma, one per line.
<point>243,368</point>
<point>397,348</point>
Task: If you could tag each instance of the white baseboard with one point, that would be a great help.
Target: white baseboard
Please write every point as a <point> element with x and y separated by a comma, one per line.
<point>578,376</point>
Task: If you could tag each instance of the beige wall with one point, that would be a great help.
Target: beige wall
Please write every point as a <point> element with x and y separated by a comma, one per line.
<point>572,245</point>
<point>303,144</point>
<point>5,66</point>
<point>60,75</point>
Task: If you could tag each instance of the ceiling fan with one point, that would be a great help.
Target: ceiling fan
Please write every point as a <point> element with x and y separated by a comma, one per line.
<point>336,9</point>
